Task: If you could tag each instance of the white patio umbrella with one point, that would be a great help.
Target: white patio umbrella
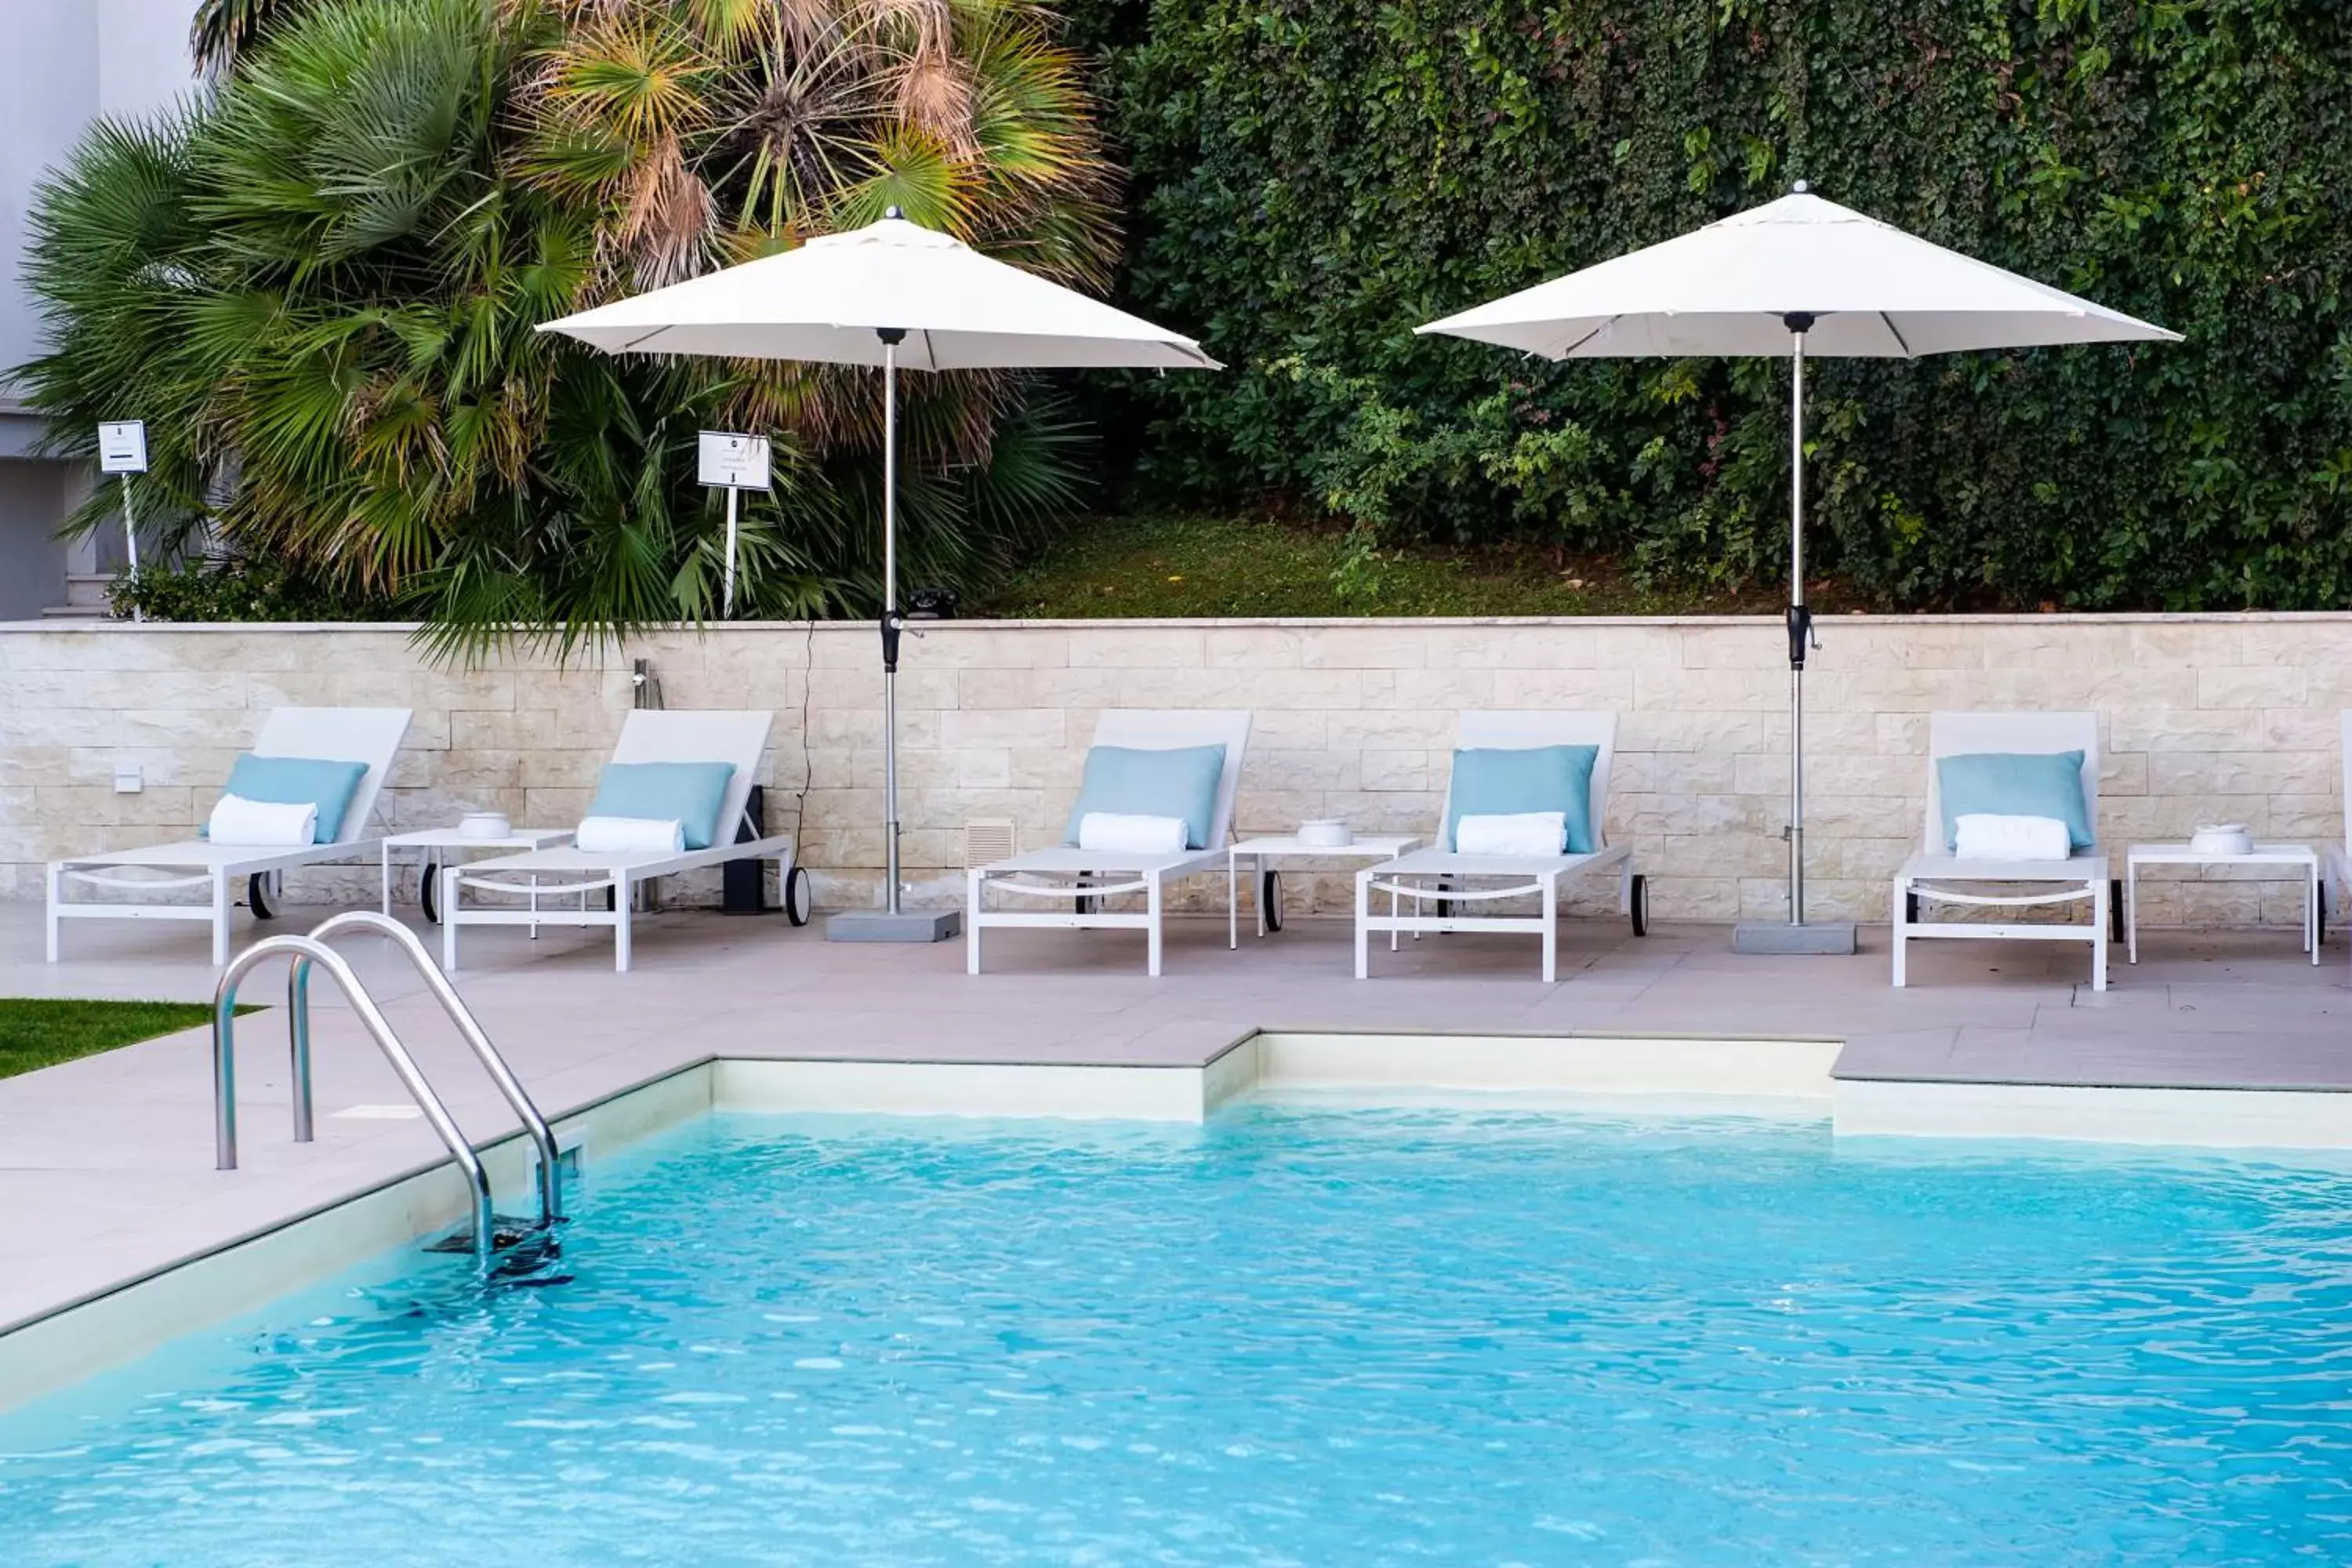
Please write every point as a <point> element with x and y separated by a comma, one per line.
<point>1798,275</point>
<point>899,295</point>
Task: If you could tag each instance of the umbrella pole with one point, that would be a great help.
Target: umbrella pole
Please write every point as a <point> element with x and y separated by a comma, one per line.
<point>891,922</point>
<point>1801,619</point>
<point>1794,935</point>
<point>890,623</point>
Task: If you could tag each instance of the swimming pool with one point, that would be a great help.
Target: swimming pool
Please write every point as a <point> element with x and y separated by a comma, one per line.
<point>1291,1336</point>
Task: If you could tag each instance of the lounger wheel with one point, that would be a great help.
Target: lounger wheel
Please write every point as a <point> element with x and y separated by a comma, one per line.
<point>263,892</point>
<point>800,900</point>
<point>428,891</point>
<point>1269,898</point>
<point>1082,903</point>
<point>1641,902</point>
<point>1911,909</point>
<point>2115,911</point>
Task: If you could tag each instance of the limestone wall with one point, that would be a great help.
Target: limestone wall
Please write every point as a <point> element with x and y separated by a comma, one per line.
<point>2205,718</point>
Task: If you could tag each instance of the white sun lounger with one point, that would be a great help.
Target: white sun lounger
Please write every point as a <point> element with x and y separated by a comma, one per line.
<point>1936,875</point>
<point>575,875</point>
<point>1082,878</point>
<point>1436,874</point>
<point>370,735</point>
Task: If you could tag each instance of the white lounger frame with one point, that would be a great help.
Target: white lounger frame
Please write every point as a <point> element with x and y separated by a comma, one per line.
<point>370,735</point>
<point>564,872</point>
<point>1934,875</point>
<point>1432,876</point>
<point>1073,876</point>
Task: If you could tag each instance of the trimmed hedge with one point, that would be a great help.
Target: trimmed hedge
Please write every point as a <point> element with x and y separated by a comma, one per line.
<point>1315,177</point>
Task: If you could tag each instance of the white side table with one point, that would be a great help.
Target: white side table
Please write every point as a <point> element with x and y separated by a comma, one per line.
<point>445,839</point>
<point>2301,857</point>
<point>1287,846</point>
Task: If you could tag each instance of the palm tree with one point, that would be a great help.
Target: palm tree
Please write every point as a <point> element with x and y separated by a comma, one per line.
<point>321,286</point>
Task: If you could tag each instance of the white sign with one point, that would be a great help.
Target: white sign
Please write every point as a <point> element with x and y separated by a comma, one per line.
<point>733,462</point>
<point>123,448</point>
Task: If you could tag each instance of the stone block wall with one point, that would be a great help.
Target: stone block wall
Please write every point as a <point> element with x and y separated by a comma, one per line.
<point>2231,717</point>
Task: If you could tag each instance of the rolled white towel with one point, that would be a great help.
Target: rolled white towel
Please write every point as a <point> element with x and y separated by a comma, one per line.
<point>1977,837</point>
<point>1113,833</point>
<point>1518,833</point>
<point>263,823</point>
<point>629,835</point>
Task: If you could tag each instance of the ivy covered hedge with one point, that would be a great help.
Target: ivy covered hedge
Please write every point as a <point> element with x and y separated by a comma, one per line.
<point>1315,177</point>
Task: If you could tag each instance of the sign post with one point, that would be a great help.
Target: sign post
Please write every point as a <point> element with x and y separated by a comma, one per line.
<point>122,449</point>
<point>734,463</point>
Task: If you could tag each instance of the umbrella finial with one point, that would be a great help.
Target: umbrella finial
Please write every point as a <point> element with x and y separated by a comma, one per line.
<point>1799,189</point>
<point>893,210</point>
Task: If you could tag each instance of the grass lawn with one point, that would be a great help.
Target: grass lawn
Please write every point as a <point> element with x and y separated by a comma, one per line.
<point>1170,565</point>
<point>42,1032</point>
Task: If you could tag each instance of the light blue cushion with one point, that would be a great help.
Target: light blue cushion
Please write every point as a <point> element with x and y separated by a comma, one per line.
<point>688,793</point>
<point>2014,783</point>
<point>1132,780</point>
<point>299,781</point>
<point>1512,780</point>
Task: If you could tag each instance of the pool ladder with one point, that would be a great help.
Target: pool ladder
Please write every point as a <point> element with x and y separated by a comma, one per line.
<point>312,949</point>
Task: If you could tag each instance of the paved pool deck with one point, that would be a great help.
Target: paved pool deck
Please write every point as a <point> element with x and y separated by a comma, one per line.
<point>105,1163</point>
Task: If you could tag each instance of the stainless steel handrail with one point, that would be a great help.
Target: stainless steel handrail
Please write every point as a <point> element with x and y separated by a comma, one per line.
<point>308,949</point>
<point>298,1014</point>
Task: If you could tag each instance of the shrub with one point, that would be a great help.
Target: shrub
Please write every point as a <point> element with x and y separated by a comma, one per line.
<point>1315,177</point>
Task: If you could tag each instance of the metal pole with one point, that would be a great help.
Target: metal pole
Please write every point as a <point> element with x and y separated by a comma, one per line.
<point>297,1045</point>
<point>130,539</point>
<point>224,1076</point>
<point>890,616</point>
<point>726,591</point>
<point>1798,626</point>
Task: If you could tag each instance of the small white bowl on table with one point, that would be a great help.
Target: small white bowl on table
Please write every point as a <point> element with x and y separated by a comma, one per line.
<point>1313,841</point>
<point>437,844</point>
<point>2227,845</point>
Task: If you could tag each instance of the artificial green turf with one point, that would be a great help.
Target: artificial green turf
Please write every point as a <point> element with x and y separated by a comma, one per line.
<point>1189,565</point>
<point>39,1032</point>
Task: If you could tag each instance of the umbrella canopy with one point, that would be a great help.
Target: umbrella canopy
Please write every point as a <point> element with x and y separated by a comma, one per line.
<point>825,301</point>
<point>1873,292</point>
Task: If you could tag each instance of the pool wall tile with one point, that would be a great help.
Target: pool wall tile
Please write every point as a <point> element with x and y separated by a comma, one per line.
<point>2192,1118</point>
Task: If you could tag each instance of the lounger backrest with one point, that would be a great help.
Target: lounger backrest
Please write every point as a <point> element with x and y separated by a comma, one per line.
<point>1163,729</point>
<point>370,735</point>
<point>1959,734</point>
<point>1517,729</point>
<point>737,735</point>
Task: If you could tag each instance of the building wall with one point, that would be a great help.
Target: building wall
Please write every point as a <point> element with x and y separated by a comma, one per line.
<point>2204,718</point>
<point>33,496</point>
<point>63,63</point>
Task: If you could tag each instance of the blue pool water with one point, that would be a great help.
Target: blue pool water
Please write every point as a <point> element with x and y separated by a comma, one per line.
<point>1291,1337</point>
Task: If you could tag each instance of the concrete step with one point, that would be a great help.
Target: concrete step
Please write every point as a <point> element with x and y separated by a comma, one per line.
<point>85,597</point>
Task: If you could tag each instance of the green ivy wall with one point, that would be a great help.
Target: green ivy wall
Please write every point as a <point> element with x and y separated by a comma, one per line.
<point>1314,177</point>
